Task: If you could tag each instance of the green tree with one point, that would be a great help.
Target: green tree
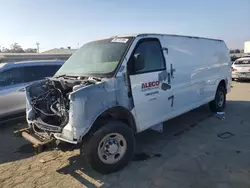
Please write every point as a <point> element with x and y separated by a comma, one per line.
<point>16,48</point>
<point>31,50</point>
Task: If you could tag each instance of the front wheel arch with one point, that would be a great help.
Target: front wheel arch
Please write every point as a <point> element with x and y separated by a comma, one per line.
<point>116,113</point>
<point>223,83</point>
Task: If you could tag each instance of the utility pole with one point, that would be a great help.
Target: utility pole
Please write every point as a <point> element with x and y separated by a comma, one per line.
<point>37,47</point>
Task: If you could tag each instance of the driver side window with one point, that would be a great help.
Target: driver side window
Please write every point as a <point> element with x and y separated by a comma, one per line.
<point>151,56</point>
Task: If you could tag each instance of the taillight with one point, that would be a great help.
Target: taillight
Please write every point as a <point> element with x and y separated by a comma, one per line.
<point>233,69</point>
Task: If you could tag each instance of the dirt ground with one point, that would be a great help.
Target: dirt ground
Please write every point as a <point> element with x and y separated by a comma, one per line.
<point>197,149</point>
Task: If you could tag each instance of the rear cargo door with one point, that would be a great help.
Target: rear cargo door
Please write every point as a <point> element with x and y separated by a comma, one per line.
<point>150,90</point>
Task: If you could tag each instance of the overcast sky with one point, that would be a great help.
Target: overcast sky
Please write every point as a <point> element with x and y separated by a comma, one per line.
<point>62,23</point>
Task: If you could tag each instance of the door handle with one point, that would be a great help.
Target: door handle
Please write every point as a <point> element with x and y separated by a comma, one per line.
<point>152,99</point>
<point>169,80</point>
<point>172,70</point>
<point>165,86</point>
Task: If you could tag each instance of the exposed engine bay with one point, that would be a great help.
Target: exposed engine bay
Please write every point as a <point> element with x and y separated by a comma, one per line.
<point>50,102</point>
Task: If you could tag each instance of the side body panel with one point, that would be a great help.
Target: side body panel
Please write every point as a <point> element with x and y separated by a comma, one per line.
<point>198,65</point>
<point>150,100</point>
<point>92,101</point>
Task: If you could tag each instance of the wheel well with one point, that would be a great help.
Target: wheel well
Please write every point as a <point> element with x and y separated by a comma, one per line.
<point>117,113</point>
<point>223,83</point>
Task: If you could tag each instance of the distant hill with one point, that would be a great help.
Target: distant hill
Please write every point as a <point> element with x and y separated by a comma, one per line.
<point>60,51</point>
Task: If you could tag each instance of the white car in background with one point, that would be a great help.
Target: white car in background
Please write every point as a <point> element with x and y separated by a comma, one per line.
<point>14,77</point>
<point>241,68</point>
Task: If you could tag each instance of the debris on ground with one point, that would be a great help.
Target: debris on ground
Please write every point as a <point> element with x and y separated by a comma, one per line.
<point>50,158</point>
<point>158,127</point>
<point>42,161</point>
<point>221,115</point>
<point>225,135</point>
<point>144,156</point>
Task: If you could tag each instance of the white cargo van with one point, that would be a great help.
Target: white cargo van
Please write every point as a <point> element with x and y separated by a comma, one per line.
<point>111,89</point>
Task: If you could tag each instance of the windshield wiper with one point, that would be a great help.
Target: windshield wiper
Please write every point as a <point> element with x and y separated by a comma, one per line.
<point>97,79</point>
<point>59,76</point>
<point>66,76</point>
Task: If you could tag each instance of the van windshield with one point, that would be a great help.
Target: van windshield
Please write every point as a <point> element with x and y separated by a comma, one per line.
<point>97,58</point>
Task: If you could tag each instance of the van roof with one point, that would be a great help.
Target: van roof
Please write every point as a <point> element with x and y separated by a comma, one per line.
<point>34,62</point>
<point>145,34</point>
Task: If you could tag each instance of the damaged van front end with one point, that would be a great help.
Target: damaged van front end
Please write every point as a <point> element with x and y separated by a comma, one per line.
<point>65,109</point>
<point>47,110</point>
<point>55,109</point>
<point>87,104</point>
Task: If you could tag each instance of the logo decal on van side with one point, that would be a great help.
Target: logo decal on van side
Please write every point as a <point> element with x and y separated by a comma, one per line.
<point>155,85</point>
<point>150,85</point>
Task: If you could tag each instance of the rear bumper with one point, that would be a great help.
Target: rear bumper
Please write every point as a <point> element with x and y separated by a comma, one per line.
<point>240,76</point>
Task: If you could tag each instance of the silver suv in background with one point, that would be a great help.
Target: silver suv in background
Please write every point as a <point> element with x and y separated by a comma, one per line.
<point>14,77</point>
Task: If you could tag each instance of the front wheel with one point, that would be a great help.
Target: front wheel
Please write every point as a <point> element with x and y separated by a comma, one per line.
<point>219,103</point>
<point>111,147</point>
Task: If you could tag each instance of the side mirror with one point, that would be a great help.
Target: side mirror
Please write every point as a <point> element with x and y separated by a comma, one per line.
<point>139,62</point>
<point>136,63</point>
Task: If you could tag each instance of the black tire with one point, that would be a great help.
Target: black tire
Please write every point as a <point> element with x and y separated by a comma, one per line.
<point>90,148</point>
<point>215,105</point>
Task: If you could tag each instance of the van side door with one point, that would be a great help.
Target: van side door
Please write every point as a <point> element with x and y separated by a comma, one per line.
<point>150,92</point>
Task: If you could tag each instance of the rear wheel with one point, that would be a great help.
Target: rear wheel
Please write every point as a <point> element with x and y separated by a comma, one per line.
<point>111,147</point>
<point>219,103</point>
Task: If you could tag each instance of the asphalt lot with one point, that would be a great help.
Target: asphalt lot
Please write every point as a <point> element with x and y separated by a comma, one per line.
<point>197,150</point>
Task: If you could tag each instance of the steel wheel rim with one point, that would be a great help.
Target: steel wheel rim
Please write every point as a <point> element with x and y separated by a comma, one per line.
<point>112,148</point>
<point>221,99</point>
